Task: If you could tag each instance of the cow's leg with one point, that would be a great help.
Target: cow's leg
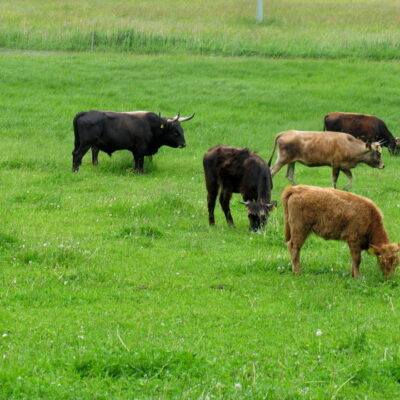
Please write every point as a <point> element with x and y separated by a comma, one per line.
<point>297,239</point>
<point>294,250</point>
<point>77,156</point>
<point>212,189</point>
<point>95,154</point>
<point>275,169</point>
<point>139,161</point>
<point>355,252</point>
<point>349,178</point>
<point>290,173</point>
<point>335,175</point>
<point>224,199</point>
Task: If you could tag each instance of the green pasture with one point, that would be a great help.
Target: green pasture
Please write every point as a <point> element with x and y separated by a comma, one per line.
<point>113,286</point>
<point>291,28</point>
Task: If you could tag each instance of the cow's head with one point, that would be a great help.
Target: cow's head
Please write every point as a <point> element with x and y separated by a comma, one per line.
<point>373,155</point>
<point>387,255</point>
<point>393,145</point>
<point>173,133</point>
<point>395,148</point>
<point>258,213</point>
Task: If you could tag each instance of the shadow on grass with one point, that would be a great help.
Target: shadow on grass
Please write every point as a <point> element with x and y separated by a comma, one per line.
<point>146,231</point>
<point>120,166</point>
<point>7,241</point>
<point>17,164</point>
<point>150,364</point>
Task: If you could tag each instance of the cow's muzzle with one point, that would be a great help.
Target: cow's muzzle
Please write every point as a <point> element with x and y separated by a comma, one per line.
<point>181,146</point>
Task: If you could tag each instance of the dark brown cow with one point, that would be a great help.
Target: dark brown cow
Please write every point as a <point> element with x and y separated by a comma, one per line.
<point>366,127</point>
<point>338,215</point>
<point>235,170</point>
<point>314,149</point>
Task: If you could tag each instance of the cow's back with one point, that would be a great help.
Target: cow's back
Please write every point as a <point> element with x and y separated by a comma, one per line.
<point>256,180</point>
<point>238,169</point>
<point>328,212</point>
<point>128,130</point>
<point>363,126</point>
<point>89,126</point>
<point>316,148</point>
<point>90,118</point>
<point>214,161</point>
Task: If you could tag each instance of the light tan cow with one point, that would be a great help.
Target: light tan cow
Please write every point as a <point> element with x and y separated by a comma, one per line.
<point>334,214</point>
<point>314,149</point>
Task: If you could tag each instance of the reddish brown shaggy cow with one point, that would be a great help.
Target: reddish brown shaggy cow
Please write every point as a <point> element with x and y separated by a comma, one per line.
<point>339,215</point>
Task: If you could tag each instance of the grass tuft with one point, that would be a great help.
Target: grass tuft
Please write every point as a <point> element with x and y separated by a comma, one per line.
<point>149,365</point>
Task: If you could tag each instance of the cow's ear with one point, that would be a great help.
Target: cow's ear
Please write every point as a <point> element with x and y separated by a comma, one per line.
<point>274,204</point>
<point>165,126</point>
<point>374,250</point>
<point>270,206</point>
<point>398,247</point>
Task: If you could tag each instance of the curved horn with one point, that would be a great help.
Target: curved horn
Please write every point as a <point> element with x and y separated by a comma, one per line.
<point>183,119</point>
<point>176,118</point>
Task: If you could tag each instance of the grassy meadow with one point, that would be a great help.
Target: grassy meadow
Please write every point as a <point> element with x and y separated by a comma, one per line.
<point>291,28</point>
<point>113,286</point>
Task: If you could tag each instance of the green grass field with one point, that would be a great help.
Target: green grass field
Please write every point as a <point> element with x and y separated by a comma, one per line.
<point>292,28</point>
<point>113,286</point>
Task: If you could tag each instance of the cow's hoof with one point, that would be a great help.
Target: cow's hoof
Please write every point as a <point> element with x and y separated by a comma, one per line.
<point>297,271</point>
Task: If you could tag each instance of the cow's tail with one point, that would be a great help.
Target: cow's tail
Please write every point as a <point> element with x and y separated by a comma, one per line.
<point>273,152</point>
<point>264,187</point>
<point>76,132</point>
<point>285,198</point>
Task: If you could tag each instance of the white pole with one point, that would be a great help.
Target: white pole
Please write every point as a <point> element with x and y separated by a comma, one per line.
<point>260,10</point>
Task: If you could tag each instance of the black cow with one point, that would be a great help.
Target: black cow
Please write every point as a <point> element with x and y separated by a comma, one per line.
<point>141,132</point>
<point>237,170</point>
<point>366,127</point>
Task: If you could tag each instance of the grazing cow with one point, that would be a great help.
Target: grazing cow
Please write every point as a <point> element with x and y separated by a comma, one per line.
<point>366,127</point>
<point>338,215</point>
<point>314,149</point>
<point>141,132</point>
<point>235,170</point>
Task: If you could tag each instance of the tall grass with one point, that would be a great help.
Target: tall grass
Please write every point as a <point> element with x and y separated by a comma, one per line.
<point>331,29</point>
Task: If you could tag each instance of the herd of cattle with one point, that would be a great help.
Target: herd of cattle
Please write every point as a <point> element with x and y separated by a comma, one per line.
<point>347,140</point>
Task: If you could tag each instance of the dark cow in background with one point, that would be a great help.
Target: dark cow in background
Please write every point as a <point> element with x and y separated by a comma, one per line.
<point>366,127</point>
<point>235,170</point>
<point>315,149</point>
<point>141,132</point>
